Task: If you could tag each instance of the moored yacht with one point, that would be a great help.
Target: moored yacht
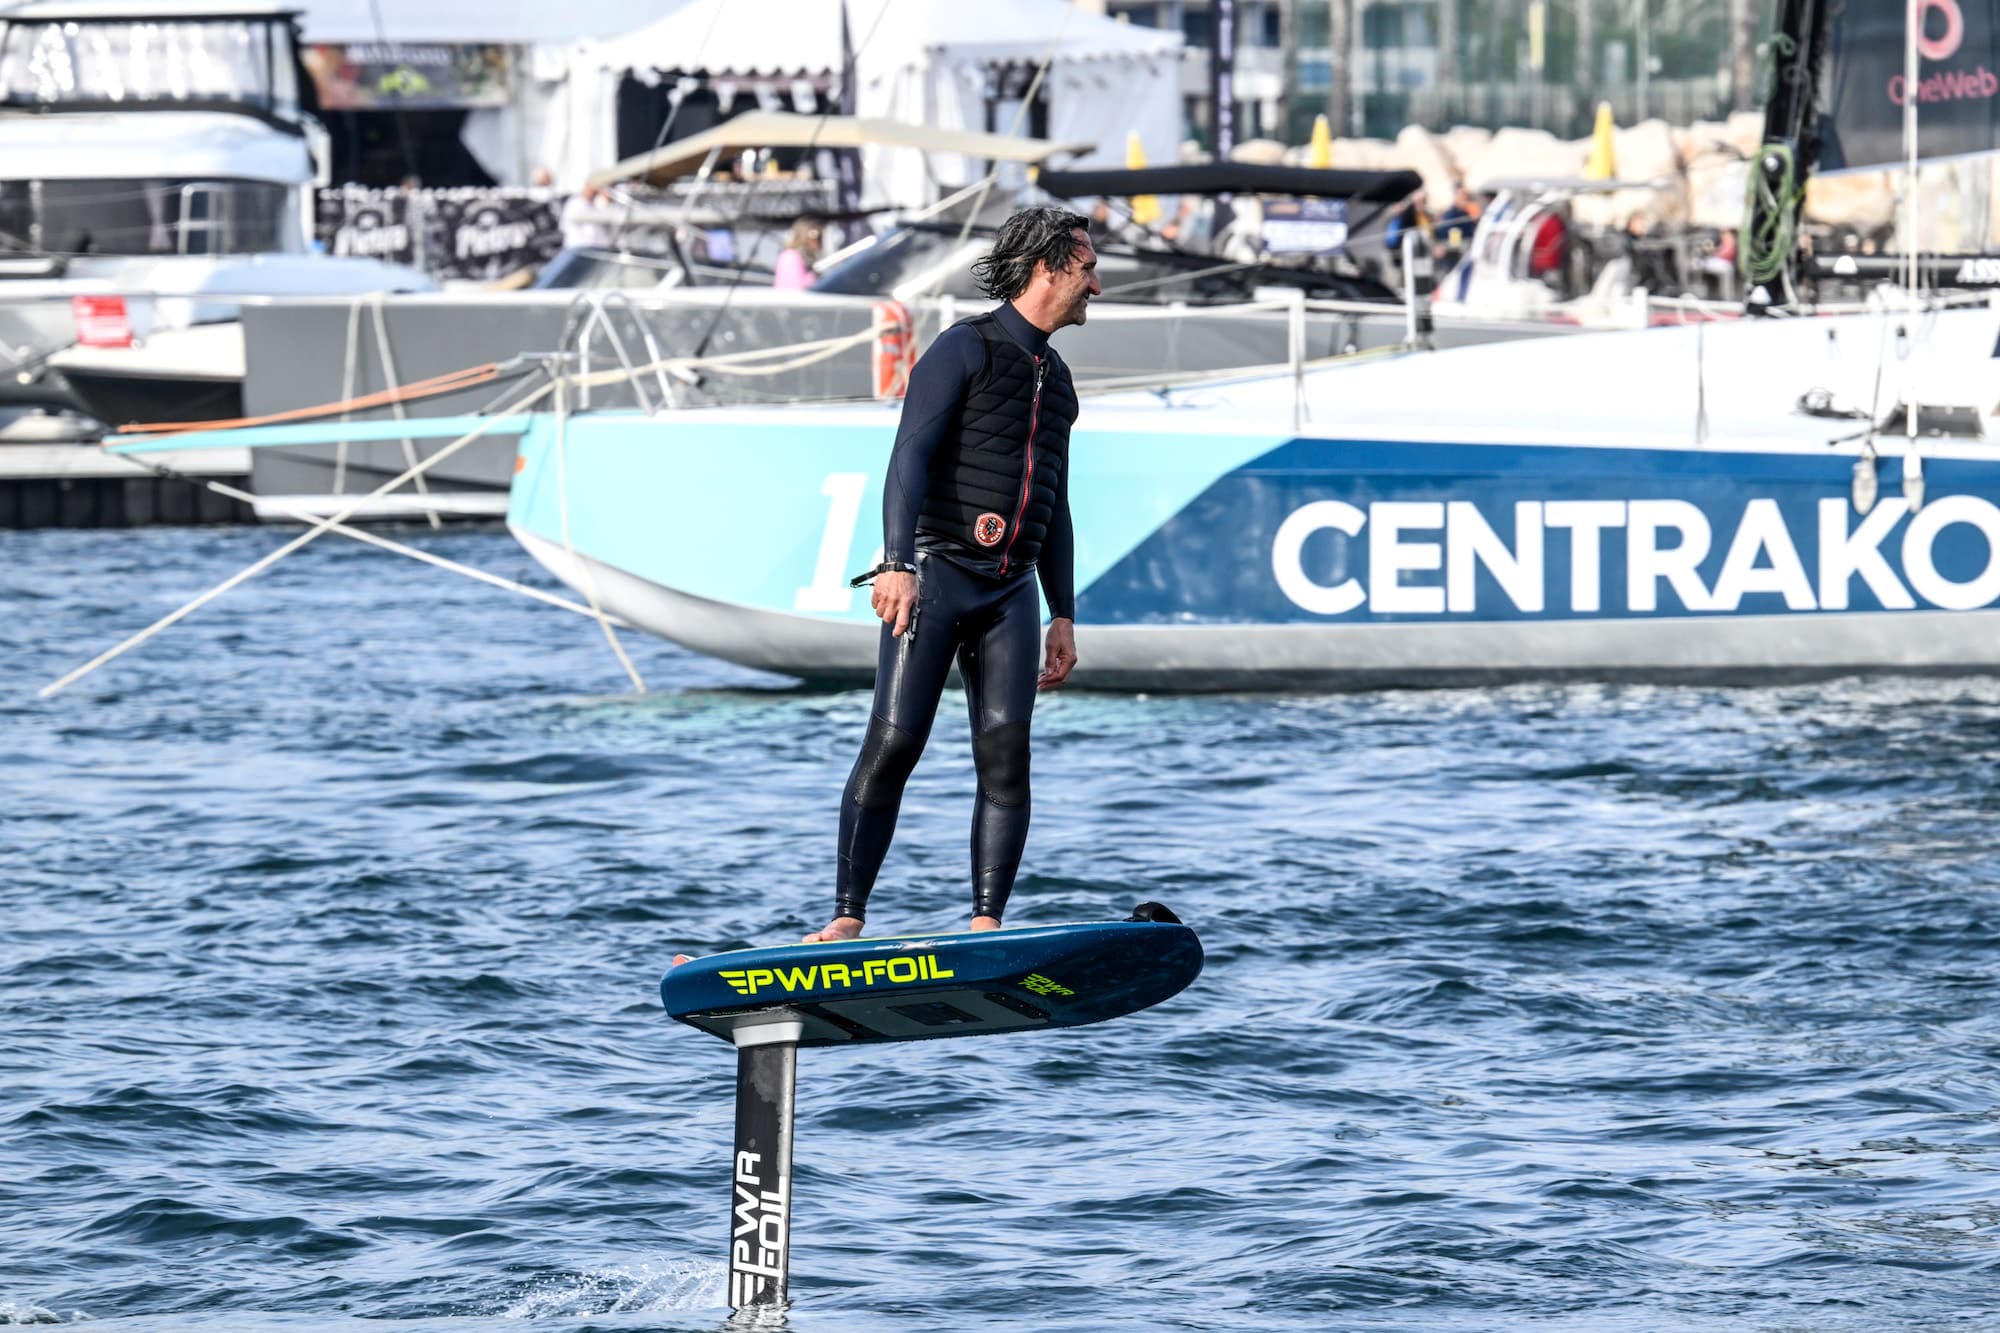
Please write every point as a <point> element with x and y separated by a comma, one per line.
<point>157,163</point>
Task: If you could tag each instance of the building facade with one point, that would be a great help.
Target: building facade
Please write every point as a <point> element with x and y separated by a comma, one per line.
<point>1439,63</point>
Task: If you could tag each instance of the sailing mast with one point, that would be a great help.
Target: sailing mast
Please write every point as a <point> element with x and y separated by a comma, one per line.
<point>1913,20</point>
<point>1913,462</point>
<point>1768,255</point>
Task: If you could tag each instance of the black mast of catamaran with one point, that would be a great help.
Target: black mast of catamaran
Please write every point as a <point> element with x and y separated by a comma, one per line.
<point>1793,109</point>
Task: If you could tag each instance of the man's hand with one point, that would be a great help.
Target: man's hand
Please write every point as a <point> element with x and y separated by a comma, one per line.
<point>896,599</point>
<point>1059,657</point>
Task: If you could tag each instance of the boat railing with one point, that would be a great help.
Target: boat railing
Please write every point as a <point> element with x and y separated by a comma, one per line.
<point>590,315</point>
<point>614,317</point>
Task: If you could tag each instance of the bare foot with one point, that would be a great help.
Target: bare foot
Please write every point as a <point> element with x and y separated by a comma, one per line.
<point>679,958</point>
<point>840,928</point>
<point>985,923</point>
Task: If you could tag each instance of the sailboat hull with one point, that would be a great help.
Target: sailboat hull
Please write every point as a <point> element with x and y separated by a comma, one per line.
<point>1744,650</point>
<point>1586,508</point>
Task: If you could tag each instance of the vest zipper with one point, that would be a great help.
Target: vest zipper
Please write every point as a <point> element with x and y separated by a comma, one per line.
<point>1027,473</point>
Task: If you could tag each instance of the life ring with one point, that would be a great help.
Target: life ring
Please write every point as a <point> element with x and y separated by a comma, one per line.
<point>895,349</point>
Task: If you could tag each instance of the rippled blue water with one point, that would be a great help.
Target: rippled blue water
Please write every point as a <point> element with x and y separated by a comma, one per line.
<point>330,926</point>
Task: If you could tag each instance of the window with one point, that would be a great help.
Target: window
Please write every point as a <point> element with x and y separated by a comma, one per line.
<point>1381,25</point>
<point>1197,27</point>
<point>134,62</point>
<point>1315,28</point>
<point>1271,28</point>
<point>139,217</point>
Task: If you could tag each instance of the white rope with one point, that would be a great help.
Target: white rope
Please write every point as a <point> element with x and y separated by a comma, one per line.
<point>347,392</point>
<point>819,350</point>
<point>832,348</point>
<point>588,579</point>
<point>735,363</point>
<point>376,539</point>
<point>394,383</point>
<point>318,530</point>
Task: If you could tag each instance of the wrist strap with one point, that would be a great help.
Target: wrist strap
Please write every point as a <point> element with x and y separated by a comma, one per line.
<point>886,567</point>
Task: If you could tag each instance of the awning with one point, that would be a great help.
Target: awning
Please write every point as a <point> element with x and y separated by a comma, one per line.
<point>784,38</point>
<point>784,129</point>
<point>1233,178</point>
<point>490,22</point>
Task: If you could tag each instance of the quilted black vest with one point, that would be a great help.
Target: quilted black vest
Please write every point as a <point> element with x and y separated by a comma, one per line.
<point>994,481</point>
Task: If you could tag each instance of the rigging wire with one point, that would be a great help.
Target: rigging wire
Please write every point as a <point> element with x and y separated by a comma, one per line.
<point>368,538</point>
<point>313,533</point>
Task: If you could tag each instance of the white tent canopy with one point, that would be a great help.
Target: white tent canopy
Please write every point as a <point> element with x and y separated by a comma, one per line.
<point>803,36</point>
<point>508,22</point>
<point>504,139</point>
<point>916,61</point>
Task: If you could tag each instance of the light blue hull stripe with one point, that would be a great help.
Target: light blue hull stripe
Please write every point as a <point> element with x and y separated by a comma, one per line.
<point>317,432</point>
<point>779,517</point>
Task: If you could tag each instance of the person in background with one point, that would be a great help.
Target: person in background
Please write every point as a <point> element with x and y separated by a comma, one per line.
<point>1191,223</point>
<point>580,227</point>
<point>1651,266</point>
<point>1718,266</point>
<point>1548,253</point>
<point>795,261</point>
<point>1408,220</point>
<point>1453,229</point>
<point>1116,224</point>
<point>1413,222</point>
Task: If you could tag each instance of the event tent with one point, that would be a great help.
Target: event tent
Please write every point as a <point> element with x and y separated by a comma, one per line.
<point>506,22</point>
<point>920,62</point>
<point>505,139</point>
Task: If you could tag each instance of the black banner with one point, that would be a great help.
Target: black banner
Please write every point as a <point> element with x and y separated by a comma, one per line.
<point>1957,91</point>
<point>367,224</point>
<point>468,235</point>
<point>481,235</point>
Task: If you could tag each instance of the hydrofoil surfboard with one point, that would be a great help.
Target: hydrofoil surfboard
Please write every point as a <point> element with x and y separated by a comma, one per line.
<point>769,1002</point>
<point>916,987</point>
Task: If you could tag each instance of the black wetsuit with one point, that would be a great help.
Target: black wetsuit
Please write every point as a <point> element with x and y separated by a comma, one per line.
<point>977,498</point>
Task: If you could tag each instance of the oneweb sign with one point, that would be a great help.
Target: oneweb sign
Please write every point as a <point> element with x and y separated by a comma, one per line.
<point>1424,557</point>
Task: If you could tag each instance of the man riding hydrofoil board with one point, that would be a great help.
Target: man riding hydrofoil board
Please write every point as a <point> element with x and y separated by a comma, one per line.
<point>975,510</point>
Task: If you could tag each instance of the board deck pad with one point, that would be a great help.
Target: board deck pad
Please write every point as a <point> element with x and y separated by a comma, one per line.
<point>917,987</point>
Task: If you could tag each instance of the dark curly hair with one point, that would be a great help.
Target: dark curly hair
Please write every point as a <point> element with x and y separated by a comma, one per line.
<point>1039,233</point>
